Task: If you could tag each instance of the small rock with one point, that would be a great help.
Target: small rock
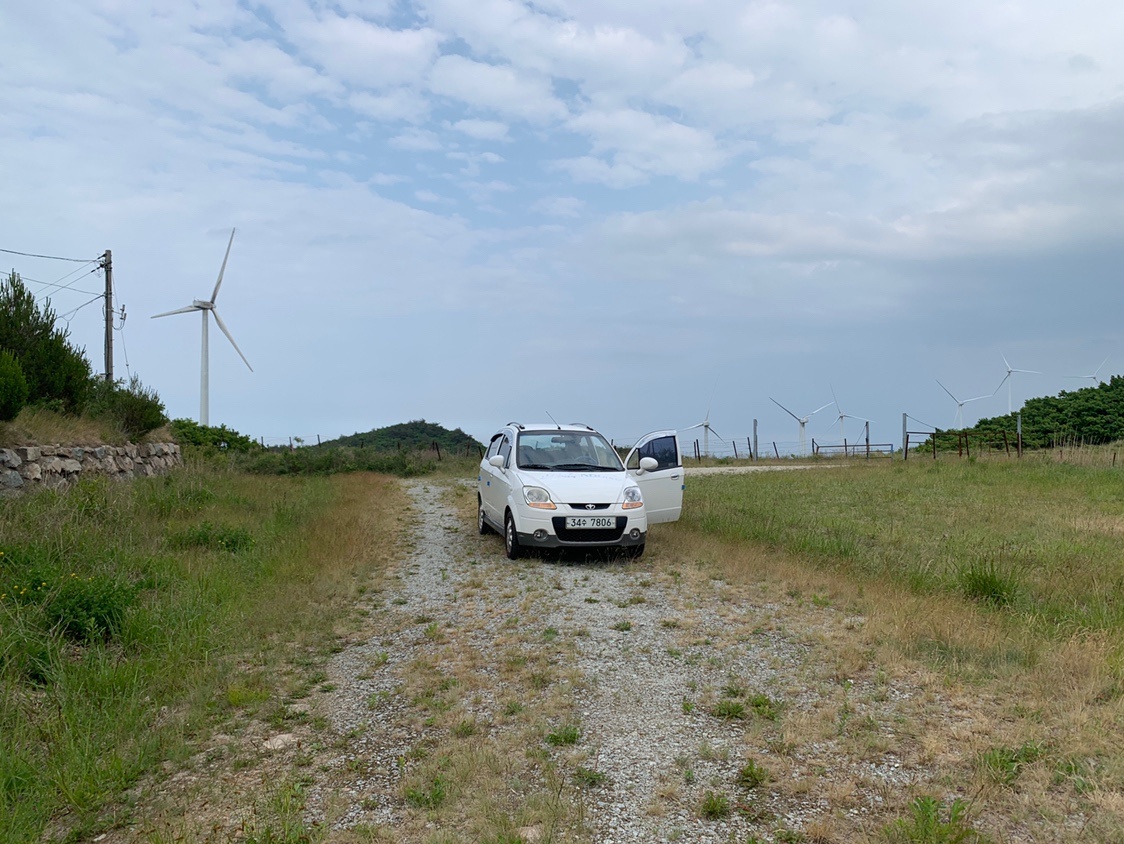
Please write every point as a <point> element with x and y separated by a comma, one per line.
<point>280,742</point>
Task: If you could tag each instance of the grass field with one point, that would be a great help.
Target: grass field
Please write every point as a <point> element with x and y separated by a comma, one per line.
<point>133,614</point>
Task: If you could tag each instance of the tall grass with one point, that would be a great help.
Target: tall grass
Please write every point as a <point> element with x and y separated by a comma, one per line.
<point>124,609</point>
<point>1038,539</point>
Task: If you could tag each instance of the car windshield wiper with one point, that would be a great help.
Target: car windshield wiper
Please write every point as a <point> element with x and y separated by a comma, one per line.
<point>586,467</point>
<point>541,466</point>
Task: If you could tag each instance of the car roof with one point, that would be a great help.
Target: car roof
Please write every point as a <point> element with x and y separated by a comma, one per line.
<point>551,426</point>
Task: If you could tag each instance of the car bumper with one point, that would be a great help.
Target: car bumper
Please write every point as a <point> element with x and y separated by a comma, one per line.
<point>550,533</point>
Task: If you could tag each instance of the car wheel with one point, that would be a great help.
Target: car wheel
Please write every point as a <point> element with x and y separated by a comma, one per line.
<point>481,524</point>
<point>510,539</point>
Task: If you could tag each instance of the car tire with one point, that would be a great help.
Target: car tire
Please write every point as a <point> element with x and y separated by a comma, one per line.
<point>481,523</point>
<point>511,544</point>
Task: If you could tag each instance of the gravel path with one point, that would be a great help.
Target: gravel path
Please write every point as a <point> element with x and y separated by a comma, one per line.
<point>677,682</point>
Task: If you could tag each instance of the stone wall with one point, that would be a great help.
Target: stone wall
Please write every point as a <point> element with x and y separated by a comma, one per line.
<point>33,466</point>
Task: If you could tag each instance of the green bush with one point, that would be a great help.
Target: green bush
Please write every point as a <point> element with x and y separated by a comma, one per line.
<point>190,432</point>
<point>932,823</point>
<point>13,386</point>
<point>57,372</point>
<point>134,408</point>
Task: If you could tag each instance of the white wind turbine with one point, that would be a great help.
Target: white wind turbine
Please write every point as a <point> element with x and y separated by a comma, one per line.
<point>844,416</point>
<point>705,425</point>
<point>958,421</point>
<point>205,307</point>
<point>1008,380</point>
<point>802,420</point>
<point>1095,377</point>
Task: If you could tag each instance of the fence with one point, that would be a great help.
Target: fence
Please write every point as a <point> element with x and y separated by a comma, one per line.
<point>433,447</point>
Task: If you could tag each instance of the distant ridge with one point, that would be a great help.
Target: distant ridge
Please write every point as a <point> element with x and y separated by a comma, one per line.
<point>409,436</point>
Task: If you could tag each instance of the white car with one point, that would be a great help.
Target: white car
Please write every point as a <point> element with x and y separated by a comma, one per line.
<point>565,486</point>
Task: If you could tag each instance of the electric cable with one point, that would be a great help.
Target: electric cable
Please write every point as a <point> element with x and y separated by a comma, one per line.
<point>51,257</point>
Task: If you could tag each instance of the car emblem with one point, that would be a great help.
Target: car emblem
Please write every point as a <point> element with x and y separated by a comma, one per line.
<point>591,506</point>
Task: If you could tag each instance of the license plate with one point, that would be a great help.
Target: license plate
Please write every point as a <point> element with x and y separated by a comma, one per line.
<point>591,522</point>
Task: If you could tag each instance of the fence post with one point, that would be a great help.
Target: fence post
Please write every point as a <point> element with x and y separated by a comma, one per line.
<point>815,448</point>
<point>749,445</point>
<point>905,436</point>
<point>290,443</point>
<point>437,446</point>
<point>735,444</point>
<point>935,432</point>
<point>318,441</point>
<point>1006,445</point>
<point>775,450</point>
<point>756,453</point>
<point>1019,434</point>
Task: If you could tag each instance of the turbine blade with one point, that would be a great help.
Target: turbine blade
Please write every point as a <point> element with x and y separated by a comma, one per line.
<point>818,409</point>
<point>696,425</point>
<point>715,433</point>
<point>1098,369</point>
<point>1004,381</point>
<point>222,270</point>
<point>186,310</point>
<point>223,328</point>
<point>785,409</point>
<point>1008,365</point>
<point>947,390</point>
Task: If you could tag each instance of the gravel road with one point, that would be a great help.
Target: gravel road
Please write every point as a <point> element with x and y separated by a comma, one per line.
<point>676,681</point>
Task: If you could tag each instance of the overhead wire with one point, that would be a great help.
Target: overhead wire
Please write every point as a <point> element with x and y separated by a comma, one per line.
<point>51,257</point>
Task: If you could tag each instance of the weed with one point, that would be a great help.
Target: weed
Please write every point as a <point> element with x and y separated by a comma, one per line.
<point>464,729</point>
<point>550,634</point>
<point>429,795</point>
<point>764,706</point>
<point>623,626</point>
<point>714,806</point>
<point>590,778</point>
<point>984,582</point>
<point>728,710</point>
<point>688,706</point>
<point>751,775</point>
<point>733,690</point>
<point>931,823</point>
<point>512,707</point>
<point>565,735</point>
<point>233,540</point>
<point>1004,764</point>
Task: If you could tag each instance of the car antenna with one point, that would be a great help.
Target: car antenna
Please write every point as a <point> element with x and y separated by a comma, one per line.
<point>555,421</point>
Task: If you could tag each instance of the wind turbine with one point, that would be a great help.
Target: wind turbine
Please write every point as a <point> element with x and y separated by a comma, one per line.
<point>843,416</point>
<point>705,425</point>
<point>1008,379</point>
<point>1095,377</point>
<point>205,307</point>
<point>958,421</point>
<point>802,420</point>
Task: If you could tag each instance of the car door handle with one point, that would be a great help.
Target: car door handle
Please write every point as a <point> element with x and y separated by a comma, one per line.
<point>675,477</point>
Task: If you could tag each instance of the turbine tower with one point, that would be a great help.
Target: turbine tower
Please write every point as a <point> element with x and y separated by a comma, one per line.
<point>1008,379</point>
<point>802,420</point>
<point>205,307</point>
<point>958,421</point>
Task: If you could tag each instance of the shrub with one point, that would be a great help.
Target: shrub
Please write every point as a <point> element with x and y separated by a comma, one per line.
<point>134,408</point>
<point>190,432</point>
<point>13,386</point>
<point>930,823</point>
<point>715,805</point>
<point>56,371</point>
<point>567,734</point>
<point>751,775</point>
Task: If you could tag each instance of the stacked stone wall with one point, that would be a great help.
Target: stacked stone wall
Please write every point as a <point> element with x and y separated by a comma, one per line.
<point>29,467</point>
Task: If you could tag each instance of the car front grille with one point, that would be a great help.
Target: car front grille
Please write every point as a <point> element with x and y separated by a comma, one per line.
<point>590,507</point>
<point>586,534</point>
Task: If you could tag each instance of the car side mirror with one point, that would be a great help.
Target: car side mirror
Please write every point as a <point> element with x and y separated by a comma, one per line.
<point>496,460</point>
<point>649,464</point>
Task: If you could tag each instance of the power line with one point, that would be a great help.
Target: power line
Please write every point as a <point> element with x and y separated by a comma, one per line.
<point>50,257</point>
<point>69,315</point>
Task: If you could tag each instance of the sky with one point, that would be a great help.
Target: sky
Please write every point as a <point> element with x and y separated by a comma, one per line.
<point>621,213</point>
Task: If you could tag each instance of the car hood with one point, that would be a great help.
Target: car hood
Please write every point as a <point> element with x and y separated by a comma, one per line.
<point>581,487</point>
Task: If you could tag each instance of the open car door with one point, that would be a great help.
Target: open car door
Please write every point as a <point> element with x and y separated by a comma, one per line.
<point>662,487</point>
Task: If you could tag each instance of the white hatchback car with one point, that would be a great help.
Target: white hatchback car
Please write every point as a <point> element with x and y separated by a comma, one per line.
<point>565,486</point>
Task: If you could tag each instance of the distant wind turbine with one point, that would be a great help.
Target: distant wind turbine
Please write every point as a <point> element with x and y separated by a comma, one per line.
<point>958,422</point>
<point>1095,377</point>
<point>802,420</point>
<point>206,307</point>
<point>844,416</point>
<point>1008,380</point>
<point>705,425</point>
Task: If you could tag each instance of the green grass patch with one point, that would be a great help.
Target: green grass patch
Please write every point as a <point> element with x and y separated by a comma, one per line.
<point>567,734</point>
<point>932,822</point>
<point>1042,540</point>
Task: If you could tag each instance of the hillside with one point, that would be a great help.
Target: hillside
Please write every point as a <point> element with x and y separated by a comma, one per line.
<point>1090,415</point>
<point>408,435</point>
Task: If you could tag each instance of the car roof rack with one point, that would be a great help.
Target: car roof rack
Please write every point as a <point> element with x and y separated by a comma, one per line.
<point>518,425</point>
<point>582,425</point>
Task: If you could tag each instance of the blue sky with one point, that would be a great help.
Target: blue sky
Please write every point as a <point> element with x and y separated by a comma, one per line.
<point>613,212</point>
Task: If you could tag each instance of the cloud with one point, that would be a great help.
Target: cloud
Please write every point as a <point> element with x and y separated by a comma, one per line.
<point>500,89</point>
<point>402,104</point>
<point>559,206</point>
<point>365,54</point>
<point>483,130</point>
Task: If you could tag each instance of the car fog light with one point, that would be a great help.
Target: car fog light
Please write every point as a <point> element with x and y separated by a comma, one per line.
<point>540,534</point>
<point>635,533</point>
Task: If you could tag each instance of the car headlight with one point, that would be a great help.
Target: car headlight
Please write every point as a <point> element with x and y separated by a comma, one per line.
<point>537,497</point>
<point>632,498</point>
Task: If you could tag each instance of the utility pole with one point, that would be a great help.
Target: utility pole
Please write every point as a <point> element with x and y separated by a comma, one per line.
<point>107,265</point>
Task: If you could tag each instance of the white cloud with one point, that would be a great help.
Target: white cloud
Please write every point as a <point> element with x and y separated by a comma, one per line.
<point>500,89</point>
<point>400,104</point>
<point>366,54</point>
<point>417,140</point>
<point>483,130</point>
<point>559,206</point>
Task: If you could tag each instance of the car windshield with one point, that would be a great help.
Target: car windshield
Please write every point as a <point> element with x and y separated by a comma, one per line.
<point>566,451</point>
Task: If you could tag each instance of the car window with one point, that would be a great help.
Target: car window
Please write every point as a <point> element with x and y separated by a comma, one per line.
<point>494,446</point>
<point>661,448</point>
<point>505,449</point>
<point>566,451</point>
